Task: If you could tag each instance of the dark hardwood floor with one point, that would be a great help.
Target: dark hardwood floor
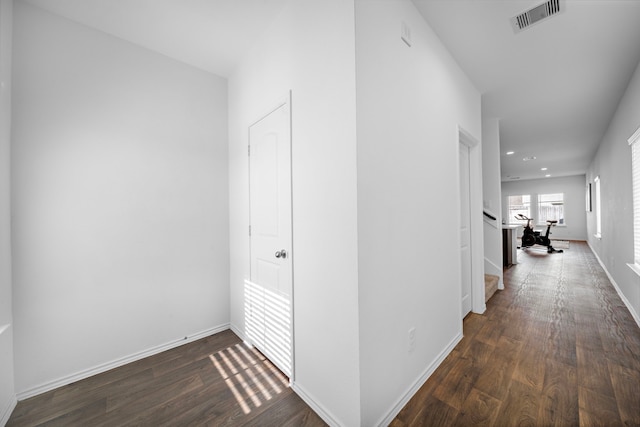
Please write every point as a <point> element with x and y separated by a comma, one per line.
<point>215,381</point>
<point>557,347</point>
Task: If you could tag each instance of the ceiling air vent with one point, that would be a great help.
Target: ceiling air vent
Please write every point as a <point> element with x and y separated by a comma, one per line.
<point>535,15</point>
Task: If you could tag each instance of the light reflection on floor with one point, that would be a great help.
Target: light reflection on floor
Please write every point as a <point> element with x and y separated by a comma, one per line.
<point>251,377</point>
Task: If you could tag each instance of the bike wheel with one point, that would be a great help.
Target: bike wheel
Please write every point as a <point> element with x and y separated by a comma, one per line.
<point>528,240</point>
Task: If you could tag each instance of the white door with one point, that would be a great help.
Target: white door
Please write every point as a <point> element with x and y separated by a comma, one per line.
<point>268,295</point>
<point>465,229</point>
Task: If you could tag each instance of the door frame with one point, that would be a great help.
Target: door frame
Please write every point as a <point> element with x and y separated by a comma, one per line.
<point>286,100</point>
<point>475,206</point>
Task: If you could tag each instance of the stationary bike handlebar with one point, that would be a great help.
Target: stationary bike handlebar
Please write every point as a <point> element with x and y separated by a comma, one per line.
<point>524,218</point>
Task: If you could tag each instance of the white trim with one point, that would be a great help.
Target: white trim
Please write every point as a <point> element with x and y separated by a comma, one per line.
<point>598,206</point>
<point>635,137</point>
<point>286,102</point>
<point>10,405</point>
<point>322,412</point>
<point>615,286</point>
<point>404,399</point>
<point>496,271</point>
<point>635,268</point>
<point>635,178</point>
<point>492,222</point>
<point>8,410</point>
<point>477,229</point>
<point>237,331</point>
<point>68,379</point>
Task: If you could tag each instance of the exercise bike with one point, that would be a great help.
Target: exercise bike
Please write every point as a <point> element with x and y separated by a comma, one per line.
<point>531,237</point>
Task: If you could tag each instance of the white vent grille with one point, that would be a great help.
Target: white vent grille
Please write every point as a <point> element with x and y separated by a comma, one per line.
<point>535,15</point>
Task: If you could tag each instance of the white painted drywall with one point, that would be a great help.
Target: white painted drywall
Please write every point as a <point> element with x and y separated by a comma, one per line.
<point>309,49</point>
<point>120,189</point>
<point>491,193</point>
<point>613,164</point>
<point>7,392</point>
<point>574,191</point>
<point>410,102</point>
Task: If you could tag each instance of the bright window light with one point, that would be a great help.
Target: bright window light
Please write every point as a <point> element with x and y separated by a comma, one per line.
<point>598,210</point>
<point>551,208</point>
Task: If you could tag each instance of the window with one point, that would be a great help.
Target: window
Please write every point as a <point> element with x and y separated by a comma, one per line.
<point>598,211</point>
<point>634,141</point>
<point>519,205</point>
<point>551,208</point>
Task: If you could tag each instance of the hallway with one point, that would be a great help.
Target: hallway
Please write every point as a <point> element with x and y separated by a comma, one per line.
<point>556,347</point>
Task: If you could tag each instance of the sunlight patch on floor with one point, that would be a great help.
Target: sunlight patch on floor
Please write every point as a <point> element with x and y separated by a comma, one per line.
<point>251,377</point>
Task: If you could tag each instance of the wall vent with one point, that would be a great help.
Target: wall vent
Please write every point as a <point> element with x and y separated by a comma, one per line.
<point>536,14</point>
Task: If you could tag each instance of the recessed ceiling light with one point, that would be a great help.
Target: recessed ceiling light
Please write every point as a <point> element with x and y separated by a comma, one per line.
<point>543,169</point>
<point>548,175</point>
<point>526,159</point>
<point>509,153</point>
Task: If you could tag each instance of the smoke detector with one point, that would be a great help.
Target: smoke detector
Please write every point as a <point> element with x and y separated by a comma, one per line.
<point>539,13</point>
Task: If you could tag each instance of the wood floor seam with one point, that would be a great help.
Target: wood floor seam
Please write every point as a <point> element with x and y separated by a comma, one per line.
<point>556,347</point>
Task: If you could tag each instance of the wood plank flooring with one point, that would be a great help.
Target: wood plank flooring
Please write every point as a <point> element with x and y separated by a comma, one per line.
<point>557,347</point>
<point>215,381</point>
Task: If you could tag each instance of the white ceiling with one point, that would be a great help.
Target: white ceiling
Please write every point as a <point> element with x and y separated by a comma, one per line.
<point>554,86</point>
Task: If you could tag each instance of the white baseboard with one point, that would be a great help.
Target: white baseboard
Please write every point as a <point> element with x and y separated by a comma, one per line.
<point>51,385</point>
<point>299,390</point>
<point>419,382</point>
<point>237,331</point>
<point>624,299</point>
<point>491,268</point>
<point>7,410</point>
<point>322,412</point>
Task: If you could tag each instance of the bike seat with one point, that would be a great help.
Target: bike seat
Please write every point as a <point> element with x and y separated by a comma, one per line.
<point>551,221</point>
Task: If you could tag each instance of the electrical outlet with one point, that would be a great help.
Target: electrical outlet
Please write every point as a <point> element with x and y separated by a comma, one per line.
<point>412,339</point>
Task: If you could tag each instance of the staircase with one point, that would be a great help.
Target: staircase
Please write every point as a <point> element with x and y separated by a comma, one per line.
<point>490,286</point>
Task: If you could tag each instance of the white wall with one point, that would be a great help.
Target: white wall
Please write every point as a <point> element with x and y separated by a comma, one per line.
<point>120,189</point>
<point>309,49</point>
<point>492,195</point>
<point>613,164</point>
<point>7,393</point>
<point>410,102</point>
<point>574,191</point>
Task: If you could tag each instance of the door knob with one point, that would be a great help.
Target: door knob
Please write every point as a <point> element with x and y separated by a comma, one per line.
<point>281,254</point>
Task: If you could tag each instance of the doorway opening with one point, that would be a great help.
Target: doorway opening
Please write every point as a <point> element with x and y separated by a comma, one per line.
<point>471,237</point>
